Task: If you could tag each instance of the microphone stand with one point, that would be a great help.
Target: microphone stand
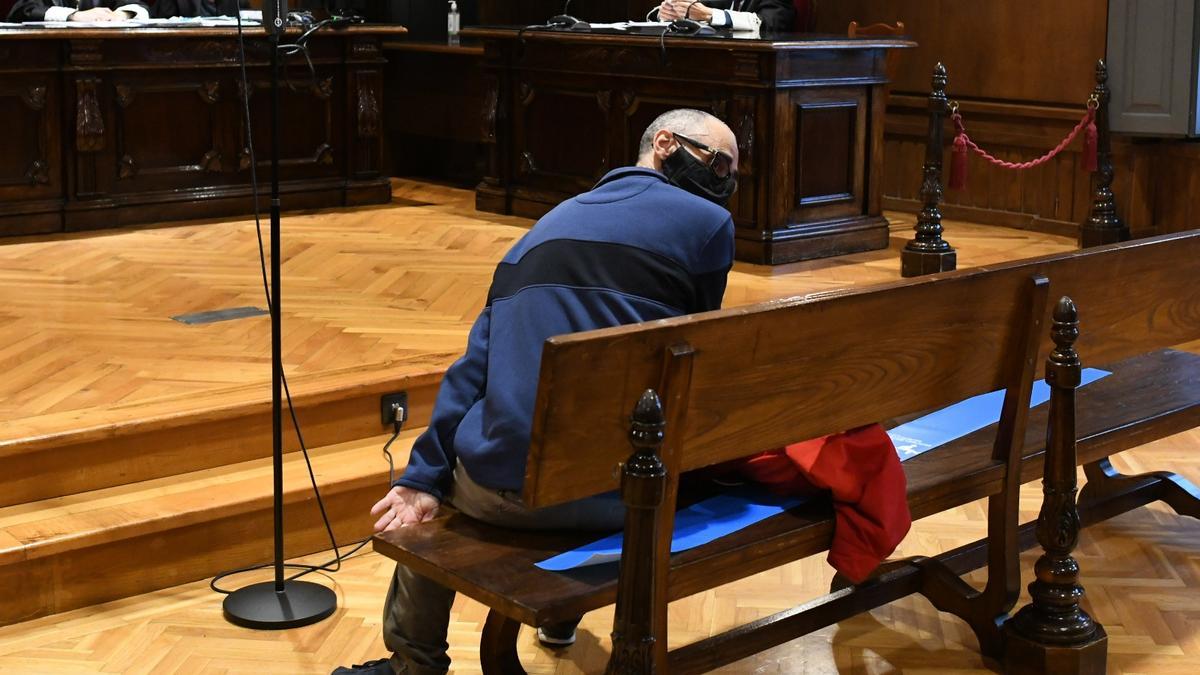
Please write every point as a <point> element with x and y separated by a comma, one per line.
<point>282,603</point>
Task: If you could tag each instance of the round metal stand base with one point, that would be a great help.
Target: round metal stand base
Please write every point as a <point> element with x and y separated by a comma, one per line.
<point>260,606</point>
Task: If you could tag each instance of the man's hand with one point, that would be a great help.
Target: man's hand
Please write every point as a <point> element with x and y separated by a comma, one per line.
<point>94,14</point>
<point>670,10</point>
<point>403,506</point>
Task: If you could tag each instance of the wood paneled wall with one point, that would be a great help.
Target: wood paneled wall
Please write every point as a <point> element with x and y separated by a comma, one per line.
<point>1038,53</point>
<point>1022,74</point>
<point>1176,178</point>
<point>1054,197</point>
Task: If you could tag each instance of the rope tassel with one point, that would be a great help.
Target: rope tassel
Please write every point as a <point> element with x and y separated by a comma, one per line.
<point>958,162</point>
<point>1090,141</point>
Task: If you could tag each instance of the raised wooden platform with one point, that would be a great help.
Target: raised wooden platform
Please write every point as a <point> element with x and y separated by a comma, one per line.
<point>134,446</point>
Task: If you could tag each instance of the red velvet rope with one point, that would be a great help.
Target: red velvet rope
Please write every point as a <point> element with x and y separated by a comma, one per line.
<point>962,133</point>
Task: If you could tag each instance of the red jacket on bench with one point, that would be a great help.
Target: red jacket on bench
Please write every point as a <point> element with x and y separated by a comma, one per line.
<point>862,471</point>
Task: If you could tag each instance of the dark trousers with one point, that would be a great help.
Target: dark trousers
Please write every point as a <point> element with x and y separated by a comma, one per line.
<point>417,613</point>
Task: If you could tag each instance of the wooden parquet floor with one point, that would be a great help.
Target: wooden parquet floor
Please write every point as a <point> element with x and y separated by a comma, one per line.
<point>86,329</point>
<point>386,292</point>
<point>369,295</point>
<point>1141,571</point>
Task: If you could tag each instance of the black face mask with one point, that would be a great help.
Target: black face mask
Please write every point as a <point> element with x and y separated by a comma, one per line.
<point>683,170</point>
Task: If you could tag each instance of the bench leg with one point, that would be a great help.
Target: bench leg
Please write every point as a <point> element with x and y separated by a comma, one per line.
<point>1111,492</point>
<point>947,592</point>
<point>498,646</point>
<point>1053,634</point>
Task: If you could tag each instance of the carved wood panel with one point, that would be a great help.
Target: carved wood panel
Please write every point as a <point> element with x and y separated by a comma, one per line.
<point>561,135</point>
<point>111,130</point>
<point>312,116</point>
<point>28,106</point>
<point>151,115</point>
<point>825,144</point>
<point>368,124</point>
<point>89,118</point>
<point>563,90</point>
<point>829,132</point>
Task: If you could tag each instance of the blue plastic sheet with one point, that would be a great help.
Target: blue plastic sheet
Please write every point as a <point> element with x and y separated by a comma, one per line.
<point>698,524</point>
<point>953,422</point>
<point>742,507</point>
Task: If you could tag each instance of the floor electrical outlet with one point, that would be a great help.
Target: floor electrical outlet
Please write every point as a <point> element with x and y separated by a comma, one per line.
<point>388,406</point>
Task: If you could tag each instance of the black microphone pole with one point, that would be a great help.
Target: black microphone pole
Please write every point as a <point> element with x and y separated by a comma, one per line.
<point>282,603</point>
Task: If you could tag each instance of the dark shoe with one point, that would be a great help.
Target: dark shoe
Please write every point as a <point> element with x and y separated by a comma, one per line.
<point>558,635</point>
<point>376,667</point>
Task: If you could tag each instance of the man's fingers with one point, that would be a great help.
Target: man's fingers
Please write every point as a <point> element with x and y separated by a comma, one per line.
<point>385,503</point>
<point>383,521</point>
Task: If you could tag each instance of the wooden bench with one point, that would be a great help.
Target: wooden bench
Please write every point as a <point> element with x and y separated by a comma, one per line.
<point>737,381</point>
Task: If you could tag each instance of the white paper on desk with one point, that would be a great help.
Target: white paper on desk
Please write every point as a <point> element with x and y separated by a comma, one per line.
<point>124,23</point>
<point>177,21</point>
<point>626,25</point>
<point>174,21</point>
<point>225,21</point>
<point>5,24</point>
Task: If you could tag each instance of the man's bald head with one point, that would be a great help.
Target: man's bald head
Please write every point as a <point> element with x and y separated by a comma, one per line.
<point>658,140</point>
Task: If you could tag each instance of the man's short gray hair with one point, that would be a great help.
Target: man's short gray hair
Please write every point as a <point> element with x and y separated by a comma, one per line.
<point>686,121</point>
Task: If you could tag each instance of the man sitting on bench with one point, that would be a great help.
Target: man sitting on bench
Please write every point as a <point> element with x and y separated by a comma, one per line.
<point>648,242</point>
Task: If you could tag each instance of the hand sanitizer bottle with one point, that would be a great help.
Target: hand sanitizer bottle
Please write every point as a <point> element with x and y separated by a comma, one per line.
<point>453,23</point>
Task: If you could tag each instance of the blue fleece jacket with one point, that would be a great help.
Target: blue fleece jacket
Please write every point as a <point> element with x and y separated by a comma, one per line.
<point>634,248</point>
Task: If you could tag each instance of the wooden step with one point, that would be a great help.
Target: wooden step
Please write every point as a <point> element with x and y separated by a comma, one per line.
<point>69,552</point>
<point>84,450</point>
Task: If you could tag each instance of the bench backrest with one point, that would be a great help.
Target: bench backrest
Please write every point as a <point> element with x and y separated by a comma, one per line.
<point>770,374</point>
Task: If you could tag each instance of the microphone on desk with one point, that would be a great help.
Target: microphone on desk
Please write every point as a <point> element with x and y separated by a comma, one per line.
<point>689,26</point>
<point>565,21</point>
<point>685,25</point>
<point>274,16</point>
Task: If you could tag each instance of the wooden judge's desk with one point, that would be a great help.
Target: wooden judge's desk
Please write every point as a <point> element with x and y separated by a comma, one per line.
<point>562,108</point>
<point>109,126</point>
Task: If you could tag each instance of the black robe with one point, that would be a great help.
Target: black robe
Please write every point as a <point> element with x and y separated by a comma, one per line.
<point>35,10</point>
<point>166,9</point>
<point>778,16</point>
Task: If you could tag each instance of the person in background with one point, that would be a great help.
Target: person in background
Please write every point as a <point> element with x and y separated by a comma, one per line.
<point>77,10</point>
<point>770,16</point>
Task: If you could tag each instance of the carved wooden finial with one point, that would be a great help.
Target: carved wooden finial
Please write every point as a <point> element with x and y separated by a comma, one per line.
<point>1064,333</point>
<point>646,430</point>
<point>940,78</point>
<point>1101,72</point>
<point>1062,367</point>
